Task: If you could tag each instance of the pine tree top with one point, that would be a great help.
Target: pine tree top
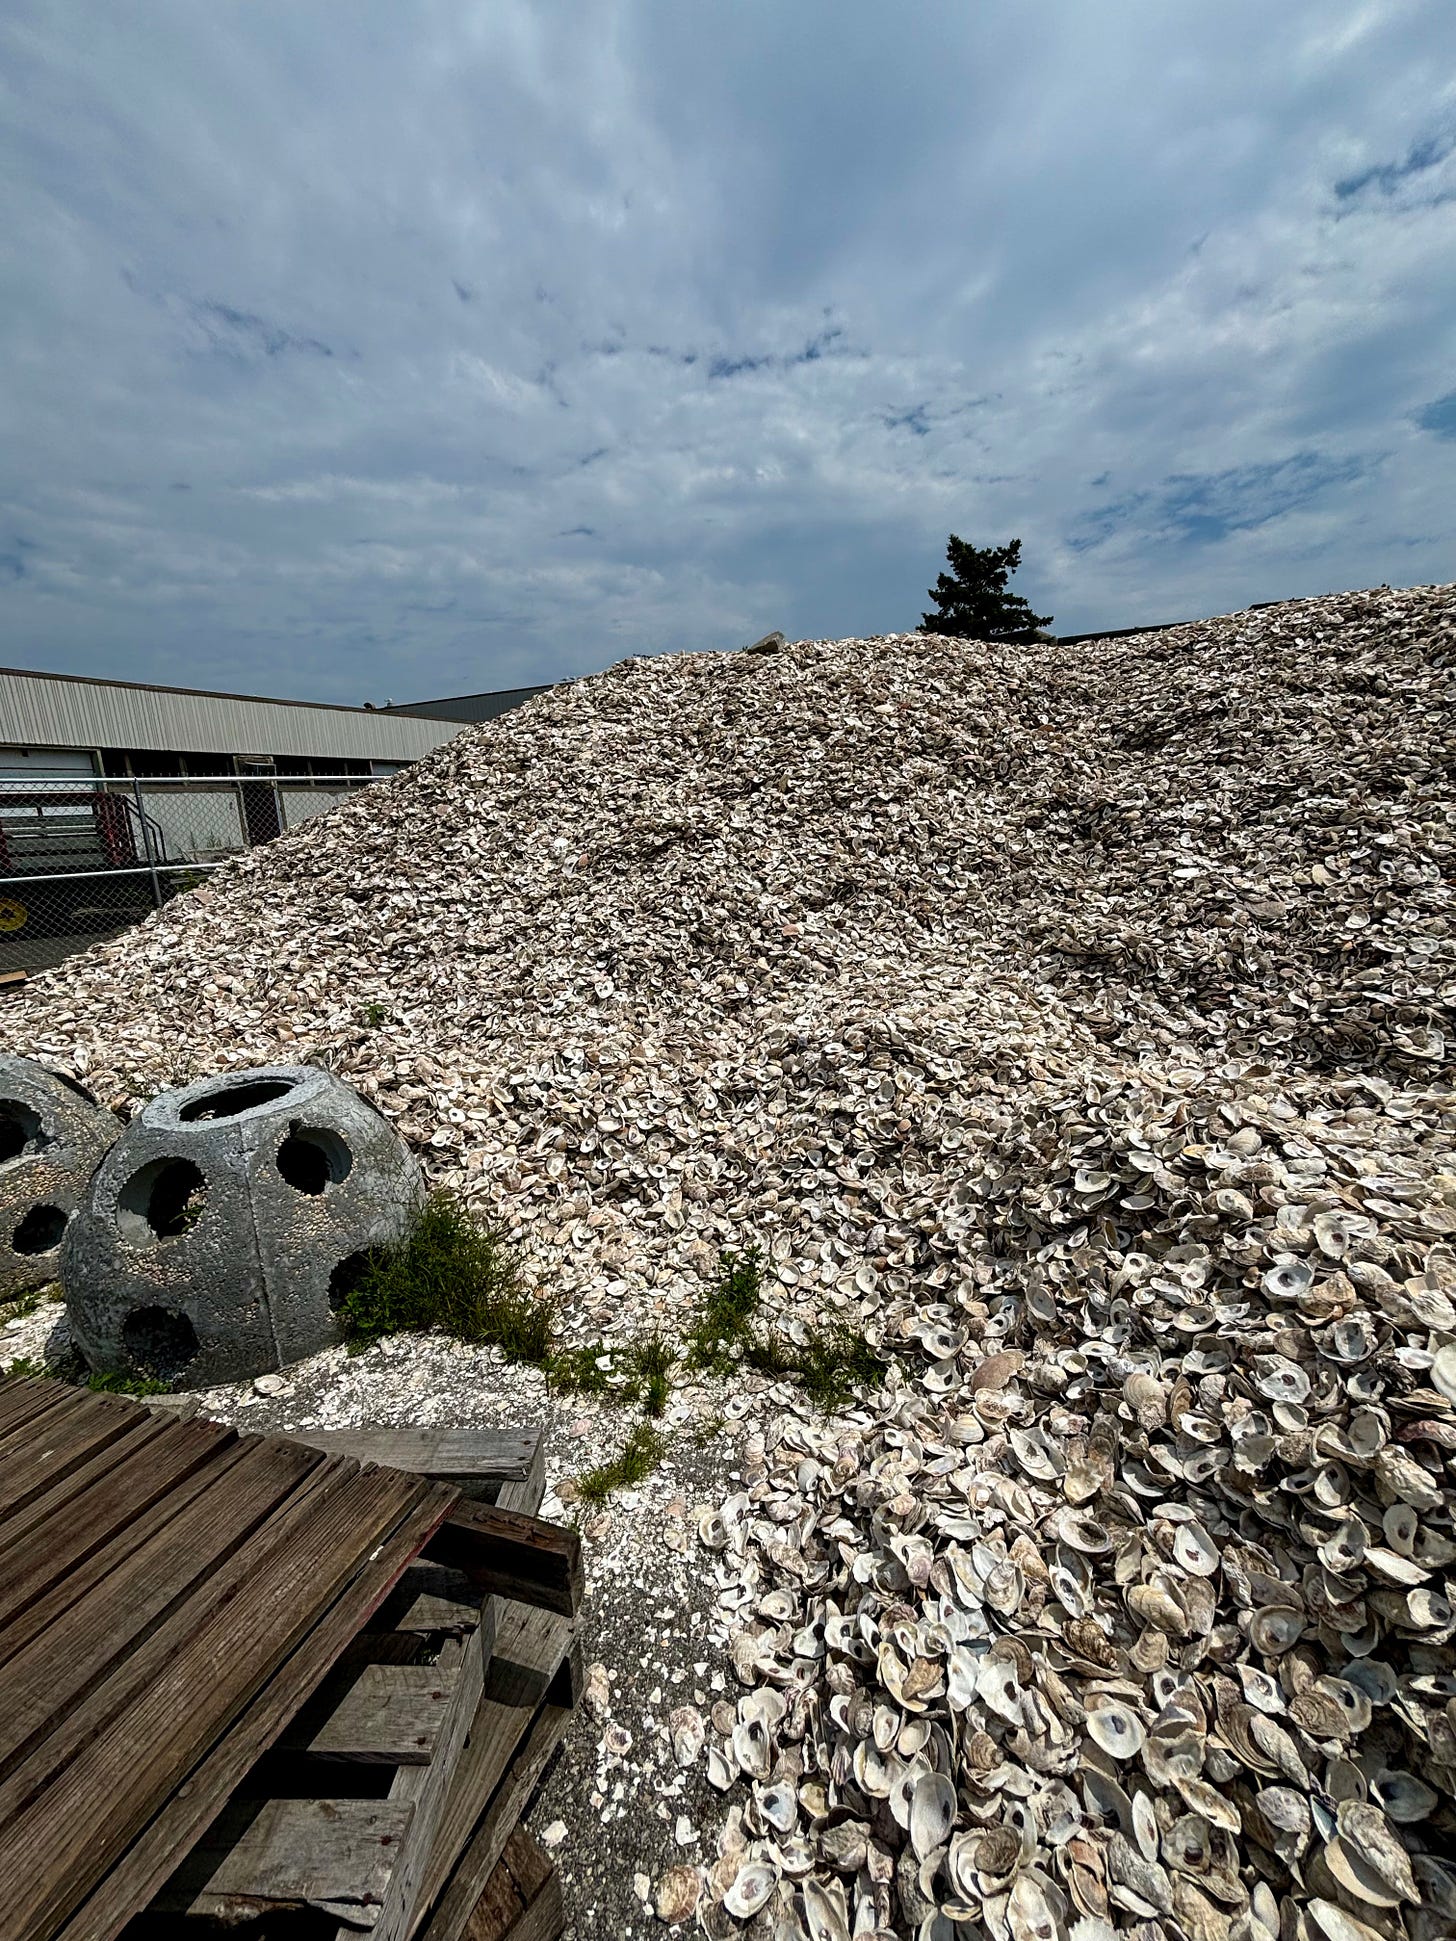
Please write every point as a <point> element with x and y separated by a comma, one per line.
<point>972,601</point>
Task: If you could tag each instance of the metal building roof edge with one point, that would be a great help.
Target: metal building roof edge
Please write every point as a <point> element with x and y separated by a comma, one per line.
<point>201,693</point>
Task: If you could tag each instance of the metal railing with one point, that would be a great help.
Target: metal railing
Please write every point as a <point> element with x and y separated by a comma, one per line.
<point>82,857</point>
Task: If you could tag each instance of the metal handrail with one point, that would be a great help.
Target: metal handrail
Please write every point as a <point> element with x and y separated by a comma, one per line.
<point>71,778</point>
<point>87,875</point>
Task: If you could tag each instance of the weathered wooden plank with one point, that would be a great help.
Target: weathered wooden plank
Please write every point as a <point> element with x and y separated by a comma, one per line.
<point>140,1871</point>
<point>52,1503</point>
<point>468,1458</point>
<point>531,1646</point>
<point>524,1496</point>
<point>513,1556</point>
<point>132,1649</point>
<point>261,1856</point>
<point>430,1790</point>
<point>24,1398</point>
<point>180,1408</point>
<point>526,1862</point>
<point>64,1439</point>
<point>100,1502</point>
<point>508,1802</point>
<point>431,1598</point>
<point>500,1906</point>
<point>392,1715</point>
<point>522,1898</point>
<point>40,1398</point>
<point>183,1688</point>
<point>136,1538</point>
<point>87,1656</point>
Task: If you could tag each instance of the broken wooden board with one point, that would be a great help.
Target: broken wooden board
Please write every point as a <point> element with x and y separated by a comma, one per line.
<point>478,1462</point>
<point>512,1556</point>
<point>264,1856</point>
<point>522,1899</point>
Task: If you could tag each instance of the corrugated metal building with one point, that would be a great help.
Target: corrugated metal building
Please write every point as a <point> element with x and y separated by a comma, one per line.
<point>67,721</point>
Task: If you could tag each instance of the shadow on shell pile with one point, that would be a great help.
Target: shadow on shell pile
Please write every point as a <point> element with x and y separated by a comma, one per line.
<point>1069,1020</point>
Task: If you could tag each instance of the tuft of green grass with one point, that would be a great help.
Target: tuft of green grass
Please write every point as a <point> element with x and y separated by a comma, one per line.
<point>127,1385</point>
<point>69,1367</point>
<point>643,1451</point>
<point>722,1330</point>
<point>24,1304</point>
<point>651,1364</point>
<point>372,1016</point>
<point>453,1272</point>
<point>829,1365</point>
<point>575,1371</point>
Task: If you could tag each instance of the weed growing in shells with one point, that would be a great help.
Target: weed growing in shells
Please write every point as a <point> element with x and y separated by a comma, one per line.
<point>717,1341</point>
<point>25,1304</point>
<point>642,1453</point>
<point>829,1364</point>
<point>455,1272</point>
<point>127,1385</point>
<point>458,1274</point>
<point>69,1367</point>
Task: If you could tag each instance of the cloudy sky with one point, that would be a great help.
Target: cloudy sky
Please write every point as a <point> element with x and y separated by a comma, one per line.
<point>359,350</point>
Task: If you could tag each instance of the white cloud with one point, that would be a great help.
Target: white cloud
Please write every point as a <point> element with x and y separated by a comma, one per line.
<point>440,346</point>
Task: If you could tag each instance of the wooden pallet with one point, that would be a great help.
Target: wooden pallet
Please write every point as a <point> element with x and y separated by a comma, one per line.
<point>388,1806</point>
<point>326,1688</point>
<point>170,1594</point>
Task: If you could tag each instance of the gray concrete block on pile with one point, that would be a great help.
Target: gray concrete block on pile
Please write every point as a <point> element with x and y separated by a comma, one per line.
<point>52,1134</point>
<point>224,1230</point>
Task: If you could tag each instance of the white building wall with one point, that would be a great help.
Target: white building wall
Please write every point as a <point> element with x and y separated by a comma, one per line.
<point>52,711</point>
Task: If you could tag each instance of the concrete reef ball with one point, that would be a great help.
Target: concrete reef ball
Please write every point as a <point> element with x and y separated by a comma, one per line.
<point>52,1133</point>
<point>227,1225</point>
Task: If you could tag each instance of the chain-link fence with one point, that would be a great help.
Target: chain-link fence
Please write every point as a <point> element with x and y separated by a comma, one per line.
<point>81,858</point>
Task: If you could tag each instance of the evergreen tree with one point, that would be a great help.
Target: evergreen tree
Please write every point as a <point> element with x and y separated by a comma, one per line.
<point>972,598</point>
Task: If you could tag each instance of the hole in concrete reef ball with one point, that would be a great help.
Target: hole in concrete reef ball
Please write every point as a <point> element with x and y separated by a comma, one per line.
<point>40,1231</point>
<point>229,1100</point>
<point>158,1342</point>
<point>346,1277</point>
<point>162,1200</point>
<point>311,1159</point>
<point>21,1132</point>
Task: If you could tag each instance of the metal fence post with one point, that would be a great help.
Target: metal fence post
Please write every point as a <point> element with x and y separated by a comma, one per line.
<point>136,789</point>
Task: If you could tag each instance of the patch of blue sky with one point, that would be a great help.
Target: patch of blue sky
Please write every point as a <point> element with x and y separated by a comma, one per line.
<point>1201,509</point>
<point>1439,416</point>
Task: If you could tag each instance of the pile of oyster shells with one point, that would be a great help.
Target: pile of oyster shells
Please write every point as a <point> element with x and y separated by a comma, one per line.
<point>1130,1608</point>
<point>1074,1022</point>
